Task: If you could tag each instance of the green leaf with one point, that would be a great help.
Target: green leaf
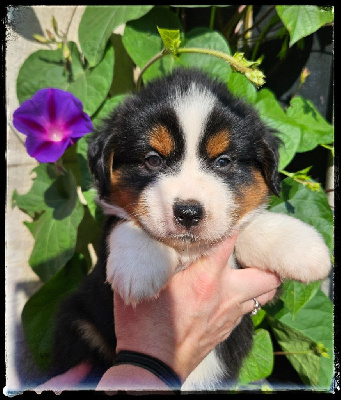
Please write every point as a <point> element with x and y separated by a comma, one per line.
<point>123,80</point>
<point>87,188</point>
<point>206,39</point>
<point>305,336</point>
<point>98,23</point>
<point>170,39</point>
<point>247,63</point>
<point>287,130</point>
<point>55,231</point>
<point>61,197</point>
<point>142,40</point>
<point>315,130</point>
<point>301,128</point>
<point>55,242</point>
<point>301,21</point>
<point>259,362</point>
<point>258,318</point>
<point>264,94</point>
<point>45,68</point>
<point>86,182</point>
<point>296,294</point>
<point>303,177</point>
<point>240,86</point>
<point>253,73</point>
<point>92,85</point>
<point>39,311</point>
<point>82,148</point>
<point>89,232</point>
<point>299,348</point>
<point>33,202</point>
<point>107,107</point>
<point>311,207</point>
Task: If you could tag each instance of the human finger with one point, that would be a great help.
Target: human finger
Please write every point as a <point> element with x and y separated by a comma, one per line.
<point>249,305</point>
<point>252,282</point>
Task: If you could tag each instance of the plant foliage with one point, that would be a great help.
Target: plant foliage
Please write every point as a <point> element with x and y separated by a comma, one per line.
<point>65,219</point>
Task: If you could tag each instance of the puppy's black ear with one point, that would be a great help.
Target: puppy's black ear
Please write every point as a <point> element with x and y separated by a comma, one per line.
<point>98,161</point>
<point>269,159</point>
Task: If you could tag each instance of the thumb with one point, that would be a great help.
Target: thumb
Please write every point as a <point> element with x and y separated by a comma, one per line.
<point>216,259</point>
<point>205,274</point>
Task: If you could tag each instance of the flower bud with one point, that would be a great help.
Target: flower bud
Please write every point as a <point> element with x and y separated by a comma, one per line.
<point>40,38</point>
<point>66,52</point>
<point>50,35</point>
<point>55,25</point>
<point>304,74</point>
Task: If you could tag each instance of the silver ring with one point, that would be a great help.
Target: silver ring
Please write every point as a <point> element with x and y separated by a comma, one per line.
<point>256,308</point>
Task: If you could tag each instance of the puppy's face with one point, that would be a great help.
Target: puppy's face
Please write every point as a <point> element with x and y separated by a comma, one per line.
<point>185,160</point>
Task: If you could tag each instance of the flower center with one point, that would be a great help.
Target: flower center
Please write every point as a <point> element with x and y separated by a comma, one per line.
<point>56,134</point>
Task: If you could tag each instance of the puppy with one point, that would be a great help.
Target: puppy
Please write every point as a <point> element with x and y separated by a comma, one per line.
<point>178,167</point>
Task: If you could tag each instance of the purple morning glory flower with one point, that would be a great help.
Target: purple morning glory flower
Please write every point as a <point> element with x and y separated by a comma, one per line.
<point>52,120</point>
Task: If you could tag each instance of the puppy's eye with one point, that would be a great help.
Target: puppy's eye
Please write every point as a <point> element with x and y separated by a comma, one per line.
<point>153,160</point>
<point>222,162</point>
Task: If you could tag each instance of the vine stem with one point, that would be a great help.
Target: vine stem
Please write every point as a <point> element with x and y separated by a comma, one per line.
<point>216,53</point>
<point>72,15</point>
<point>60,169</point>
<point>290,174</point>
<point>149,63</point>
<point>212,17</point>
<point>194,50</point>
<point>284,353</point>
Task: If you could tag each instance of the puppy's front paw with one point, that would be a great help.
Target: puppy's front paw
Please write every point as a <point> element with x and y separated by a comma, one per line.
<point>284,245</point>
<point>138,266</point>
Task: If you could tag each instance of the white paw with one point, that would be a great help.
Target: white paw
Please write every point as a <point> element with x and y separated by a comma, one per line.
<point>138,266</point>
<point>285,245</point>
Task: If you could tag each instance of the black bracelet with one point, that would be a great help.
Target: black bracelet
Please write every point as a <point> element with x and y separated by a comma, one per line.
<point>152,364</point>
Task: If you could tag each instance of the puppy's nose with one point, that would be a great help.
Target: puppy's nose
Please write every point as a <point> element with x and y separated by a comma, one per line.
<point>188,213</point>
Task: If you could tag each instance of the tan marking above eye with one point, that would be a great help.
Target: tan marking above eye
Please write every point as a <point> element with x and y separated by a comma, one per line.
<point>253,195</point>
<point>161,140</point>
<point>217,144</point>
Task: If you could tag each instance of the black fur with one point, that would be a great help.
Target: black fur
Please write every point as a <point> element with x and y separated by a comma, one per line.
<point>127,126</point>
<point>233,350</point>
<point>92,301</point>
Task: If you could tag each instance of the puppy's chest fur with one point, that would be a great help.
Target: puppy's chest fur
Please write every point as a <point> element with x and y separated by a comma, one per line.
<point>180,166</point>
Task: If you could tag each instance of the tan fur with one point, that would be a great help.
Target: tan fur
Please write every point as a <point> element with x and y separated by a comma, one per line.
<point>161,140</point>
<point>217,144</point>
<point>124,197</point>
<point>90,334</point>
<point>253,195</point>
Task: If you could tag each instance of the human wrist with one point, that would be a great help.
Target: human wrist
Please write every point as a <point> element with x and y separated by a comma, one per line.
<point>170,358</point>
<point>139,332</point>
<point>152,364</point>
<point>130,378</point>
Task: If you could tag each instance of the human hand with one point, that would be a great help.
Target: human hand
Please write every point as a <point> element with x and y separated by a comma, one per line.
<point>199,308</point>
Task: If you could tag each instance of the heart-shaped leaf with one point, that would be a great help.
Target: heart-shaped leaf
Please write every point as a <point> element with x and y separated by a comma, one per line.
<point>39,311</point>
<point>45,68</point>
<point>259,362</point>
<point>98,23</point>
<point>302,20</point>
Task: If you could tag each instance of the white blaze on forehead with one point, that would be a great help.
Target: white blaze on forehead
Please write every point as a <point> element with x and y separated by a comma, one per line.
<point>193,109</point>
